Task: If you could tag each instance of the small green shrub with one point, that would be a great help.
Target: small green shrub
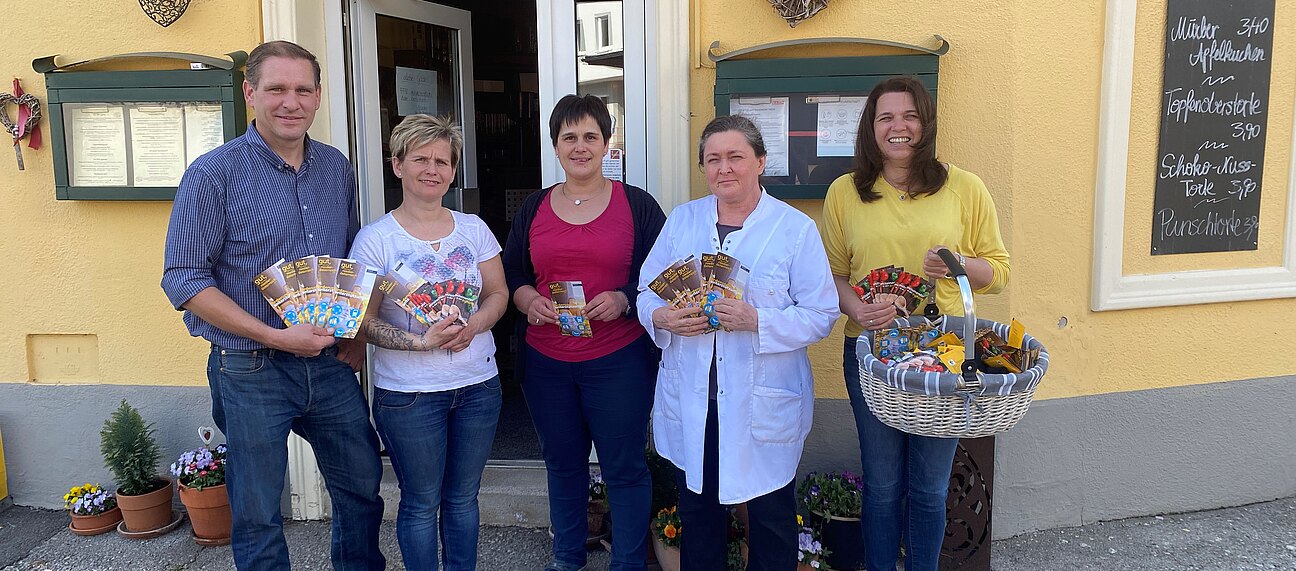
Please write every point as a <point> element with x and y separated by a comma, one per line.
<point>130,452</point>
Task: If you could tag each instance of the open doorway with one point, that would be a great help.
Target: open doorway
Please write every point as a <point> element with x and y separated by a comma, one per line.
<point>507,95</point>
<point>411,56</point>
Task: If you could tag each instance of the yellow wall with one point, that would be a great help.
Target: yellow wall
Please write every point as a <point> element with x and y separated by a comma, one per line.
<point>94,267</point>
<point>1019,106</point>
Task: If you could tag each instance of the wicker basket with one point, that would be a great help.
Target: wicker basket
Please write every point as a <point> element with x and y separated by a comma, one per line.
<point>943,405</point>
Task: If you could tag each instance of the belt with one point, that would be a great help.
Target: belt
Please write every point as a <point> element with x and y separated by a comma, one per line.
<point>330,351</point>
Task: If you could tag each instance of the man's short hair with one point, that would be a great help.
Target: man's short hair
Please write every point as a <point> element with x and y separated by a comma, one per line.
<point>278,48</point>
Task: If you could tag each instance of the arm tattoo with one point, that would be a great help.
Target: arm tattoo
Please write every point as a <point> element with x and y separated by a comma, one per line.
<point>389,336</point>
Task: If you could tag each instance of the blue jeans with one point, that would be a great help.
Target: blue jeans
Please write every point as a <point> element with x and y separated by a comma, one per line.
<point>263,395</point>
<point>771,518</point>
<point>439,443</point>
<point>606,400</point>
<point>906,478</point>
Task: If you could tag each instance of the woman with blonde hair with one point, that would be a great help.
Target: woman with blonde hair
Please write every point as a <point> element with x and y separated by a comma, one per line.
<point>437,391</point>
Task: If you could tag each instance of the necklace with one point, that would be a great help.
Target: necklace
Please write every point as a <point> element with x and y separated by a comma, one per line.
<point>904,194</point>
<point>579,201</point>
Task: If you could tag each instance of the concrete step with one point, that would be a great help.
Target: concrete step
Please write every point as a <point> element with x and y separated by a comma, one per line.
<point>512,493</point>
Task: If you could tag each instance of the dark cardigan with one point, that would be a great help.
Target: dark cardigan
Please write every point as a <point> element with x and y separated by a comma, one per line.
<point>518,271</point>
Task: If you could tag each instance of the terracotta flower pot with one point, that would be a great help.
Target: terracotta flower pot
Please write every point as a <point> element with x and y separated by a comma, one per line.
<point>808,567</point>
<point>147,512</point>
<point>668,558</point>
<point>95,524</point>
<point>209,512</point>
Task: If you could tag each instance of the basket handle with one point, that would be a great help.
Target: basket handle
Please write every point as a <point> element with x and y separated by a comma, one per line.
<point>969,315</point>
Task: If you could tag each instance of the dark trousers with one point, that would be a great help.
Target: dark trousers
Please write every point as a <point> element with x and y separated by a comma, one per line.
<point>705,521</point>
<point>605,401</point>
<point>264,394</point>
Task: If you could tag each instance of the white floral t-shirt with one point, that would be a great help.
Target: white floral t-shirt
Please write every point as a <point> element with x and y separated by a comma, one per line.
<point>385,243</point>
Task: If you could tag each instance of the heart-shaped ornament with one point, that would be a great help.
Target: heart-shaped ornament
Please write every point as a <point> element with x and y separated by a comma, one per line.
<point>205,434</point>
<point>795,11</point>
<point>29,114</point>
<point>164,12</point>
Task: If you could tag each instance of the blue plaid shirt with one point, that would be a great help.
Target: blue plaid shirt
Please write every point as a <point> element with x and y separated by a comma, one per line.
<point>239,209</point>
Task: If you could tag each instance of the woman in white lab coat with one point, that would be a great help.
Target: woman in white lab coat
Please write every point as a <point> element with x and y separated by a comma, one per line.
<point>733,407</point>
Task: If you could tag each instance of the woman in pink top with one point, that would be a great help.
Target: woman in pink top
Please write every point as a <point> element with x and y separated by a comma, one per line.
<point>588,375</point>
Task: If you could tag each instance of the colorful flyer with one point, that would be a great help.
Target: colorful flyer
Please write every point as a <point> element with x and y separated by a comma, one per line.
<point>348,325</point>
<point>306,280</point>
<point>289,271</point>
<point>569,300</point>
<point>274,289</point>
<point>418,294</point>
<point>348,273</point>
<point>325,287</point>
<point>690,277</point>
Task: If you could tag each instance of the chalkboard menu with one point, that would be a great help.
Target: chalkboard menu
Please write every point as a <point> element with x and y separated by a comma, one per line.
<point>1214,108</point>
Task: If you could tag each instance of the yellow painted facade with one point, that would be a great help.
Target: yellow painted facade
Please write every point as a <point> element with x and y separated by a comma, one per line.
<point>102,261</point>
<point>1020,105</point>
<point>4,476</point>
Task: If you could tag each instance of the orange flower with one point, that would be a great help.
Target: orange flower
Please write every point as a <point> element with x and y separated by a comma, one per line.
<point>669,531</point>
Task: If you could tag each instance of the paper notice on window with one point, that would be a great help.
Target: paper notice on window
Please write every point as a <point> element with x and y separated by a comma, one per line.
<point>97,148</point>
<point>614,164</point>
<point>157,144</point>
<point>204,129</point>
<point>416,91</point>
<point>770,114</point>
<point>838,124</point>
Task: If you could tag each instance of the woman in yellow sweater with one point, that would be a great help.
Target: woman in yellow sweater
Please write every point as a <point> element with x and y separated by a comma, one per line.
<point>898,206</point>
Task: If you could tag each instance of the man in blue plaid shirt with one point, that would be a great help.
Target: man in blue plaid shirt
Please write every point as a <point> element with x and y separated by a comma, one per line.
<point>268,195</point>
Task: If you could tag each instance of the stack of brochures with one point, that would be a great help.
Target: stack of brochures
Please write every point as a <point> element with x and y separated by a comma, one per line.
<point>430,302</point>
<point>700,282</point>
<point>319,290</point>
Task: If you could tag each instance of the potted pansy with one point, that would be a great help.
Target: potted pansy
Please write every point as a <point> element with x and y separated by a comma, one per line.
<point>94,510</point>
<point>666,532</point>
<point>833,501</point>
<point>201,474</point>
<point>810,551</point>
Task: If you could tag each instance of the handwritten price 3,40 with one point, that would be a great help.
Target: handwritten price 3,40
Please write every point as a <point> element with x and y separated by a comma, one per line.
<point>1253,26</point>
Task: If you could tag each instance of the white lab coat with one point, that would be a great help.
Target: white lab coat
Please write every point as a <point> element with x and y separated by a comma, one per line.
<point>765,386</point>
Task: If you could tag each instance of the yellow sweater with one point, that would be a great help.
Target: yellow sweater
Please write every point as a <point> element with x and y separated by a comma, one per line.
<point>860,237</point>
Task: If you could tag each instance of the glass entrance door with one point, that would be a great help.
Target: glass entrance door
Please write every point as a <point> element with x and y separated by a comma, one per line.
<point>597,47</point>
<point>414,57</point>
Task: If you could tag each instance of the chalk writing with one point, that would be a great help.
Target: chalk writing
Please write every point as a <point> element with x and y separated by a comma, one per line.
<point>1214,118</point>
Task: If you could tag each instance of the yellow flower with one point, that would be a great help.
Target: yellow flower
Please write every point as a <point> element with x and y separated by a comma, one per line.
<point>669,531</point>
<point>799,520</point>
